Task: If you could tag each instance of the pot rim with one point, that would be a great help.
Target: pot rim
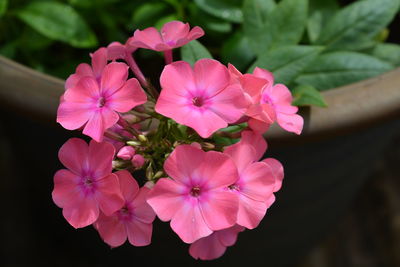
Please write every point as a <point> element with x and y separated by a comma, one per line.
<point>350,107</point>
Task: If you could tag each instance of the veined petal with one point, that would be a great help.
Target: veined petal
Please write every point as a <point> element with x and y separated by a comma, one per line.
<point>128,96</point>
<point>211,76</point>
<point>113,78</point>
<point>73,154</point>
<point>108,194</point>
<point>100,158</point>
<point>139,233</point>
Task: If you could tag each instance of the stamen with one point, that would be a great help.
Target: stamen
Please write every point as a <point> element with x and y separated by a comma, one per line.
<point>195,192</point>
<point>197,101</point>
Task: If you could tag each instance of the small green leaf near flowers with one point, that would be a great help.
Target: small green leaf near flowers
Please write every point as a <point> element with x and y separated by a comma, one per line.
<point>307,95</point>
<point>194,51</point>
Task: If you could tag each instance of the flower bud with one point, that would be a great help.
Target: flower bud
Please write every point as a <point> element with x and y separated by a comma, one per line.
<point>142,138</point>
<point>126,153</point>
<point>138,161</point>
<point>133,143</point>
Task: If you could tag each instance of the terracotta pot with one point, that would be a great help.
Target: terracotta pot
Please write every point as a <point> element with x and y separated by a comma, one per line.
<point>324,167</point>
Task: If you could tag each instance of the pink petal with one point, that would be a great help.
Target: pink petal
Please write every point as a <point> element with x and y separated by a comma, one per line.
<point>257,181</point>
<point>101,120</point>
<point>100,158</point>
<point>280,95</point>
<point>253,86</point>
<point>177,78</point>
<point>207,248</point>
<point>228,236</point>
<point>219,170</point>
<point>73,116</point>
<point>188,223</point>
<point>229,104</point>
<point>182,162</point>
<point>166,198</point>
<point>277,171</point>
<point>85,91</point>
<point>210,76</point>
<point>81,71</point>
<point>173,31</point>
<point>251,212</point>
<point>234,73</point>
<point>128,185</point>
<point>264,74</point>
<point>128,97</point>
<point>220,211</point>
<point>257,141</point>
<point>258,126</point>
<point>99,61</point>
<point>148,38</point>
<point>113,77</point>
<point>270,201</point>
<point>291,122</point>
<point>82,213</point>
<point>139,233</point>
<point>108,194</point>
<point>204,122</point>
<point>242,154</point>
<point>111,230</point>
<point>142,210</point>
<point>195,33</point>
<point>66,191</point>
<point>115,51</point>
<point>73,155</point>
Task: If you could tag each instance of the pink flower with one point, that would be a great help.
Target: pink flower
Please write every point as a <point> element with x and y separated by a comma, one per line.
<point>195,199</point>
<point>201,98</point>
<point>96,105</point>
<point>88,185</point>
<point>133,221</point>
<point>269,102</point>
<point>256,182</point>
<point>173,34</point>
<point>214,245</point>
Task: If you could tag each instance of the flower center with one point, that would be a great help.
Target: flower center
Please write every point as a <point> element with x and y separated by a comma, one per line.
<point>267,100</point>
<point>88,182</point>
<point>101,102</point>
<point>234,187</point>
<point>195,192</point>
<point>197,101</point>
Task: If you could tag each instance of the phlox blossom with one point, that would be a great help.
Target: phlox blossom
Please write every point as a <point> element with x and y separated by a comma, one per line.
<point>200,97</point>
<point>88,185</point>
<point>172,35</point>
<point>269,102</point>
<point>256,182</point>
<point>133,221</point>
<point>214,246</point>
<point>95,105</point>
<point>194,198</point>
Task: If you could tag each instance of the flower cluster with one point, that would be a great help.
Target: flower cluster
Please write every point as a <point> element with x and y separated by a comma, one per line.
<point>208,189</point>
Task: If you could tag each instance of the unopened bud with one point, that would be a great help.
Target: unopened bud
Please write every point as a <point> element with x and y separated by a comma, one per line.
<point>158,174</point>
<point>133,143</point>
<point>208,146</point>
<point>149,172</point>
<point>126,153</point>
<point>142,138</point>
<point>138,161</point>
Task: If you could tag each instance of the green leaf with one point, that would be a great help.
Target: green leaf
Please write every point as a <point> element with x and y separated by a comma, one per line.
<point>59,22</point>
<point>235,51</point>
<point>339,68</point>
<point>3,7</point>
<point>320,12</point>
<point>306,95</point>
<point>387,52</point>
<point>255,14</point>
<point>145,15</point>
<point>284,25</point>
<point>287,62</point>
<point>355,25</point>
<point>194,51</point>
<point>225,9</point>
<point>208,22</point>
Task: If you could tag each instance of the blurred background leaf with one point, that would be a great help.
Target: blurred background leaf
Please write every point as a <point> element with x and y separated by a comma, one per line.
<point>59,22</point>
<point>339,68</point>
<point>194,51</point>
<point>307,95</point>
<point>3,6</point>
